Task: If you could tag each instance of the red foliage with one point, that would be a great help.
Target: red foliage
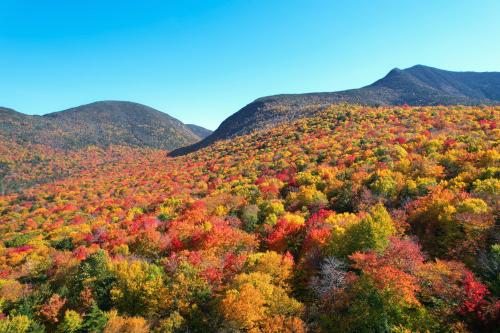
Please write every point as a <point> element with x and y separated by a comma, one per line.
<point>283,233</point>
<point>475,292</point>
<point>50,311</point>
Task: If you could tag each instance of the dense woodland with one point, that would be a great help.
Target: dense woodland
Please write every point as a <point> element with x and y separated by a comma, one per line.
<point>355,220</point>
<point>100,124</point>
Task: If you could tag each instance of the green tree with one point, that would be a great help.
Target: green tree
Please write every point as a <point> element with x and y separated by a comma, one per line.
<point>350,233</point>
<point>94,273</point>
<point>372,232</point>
<point>95,320</point>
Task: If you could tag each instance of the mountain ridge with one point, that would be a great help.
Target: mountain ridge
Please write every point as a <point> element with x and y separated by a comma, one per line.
<point>202,132</point>
<point>99,123</point>
<point>416,85</point>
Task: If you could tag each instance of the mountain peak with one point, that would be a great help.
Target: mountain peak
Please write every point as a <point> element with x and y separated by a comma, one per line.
<point>108,107</point>
<point>395,70</point>
<point>420,66</point>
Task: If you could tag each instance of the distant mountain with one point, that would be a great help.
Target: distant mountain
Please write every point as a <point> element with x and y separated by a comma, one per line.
<point>6,113</point>
<point>100,123</point>
<point>417,85</point>
<point>201,132</point>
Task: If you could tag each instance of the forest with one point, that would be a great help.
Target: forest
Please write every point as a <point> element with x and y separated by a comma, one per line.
<point>357,219</point>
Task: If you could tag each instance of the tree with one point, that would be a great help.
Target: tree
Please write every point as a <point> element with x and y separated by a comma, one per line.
<point>278,266</point>
<point>308,197</point>
<point>269,211</point>
<point>386,184</point>
<point>95,320</point>
<point>453,291</point>
<point>118,324</point>
<point>252,299</point>
<point>352,233</point>
<point>489,265</point>
<point>450,225</point>
<point>189,296</point>
<point>250,217</point>
<point>332,276</point>
<point>365,307</point>
<point>51,310</point>
<point>5,169</point>
<point>16,324</point>
<point>287,234</point>
<point>139,288</point>
<point>373,231</point>
<point>95,275</point>
<point>72,322</point>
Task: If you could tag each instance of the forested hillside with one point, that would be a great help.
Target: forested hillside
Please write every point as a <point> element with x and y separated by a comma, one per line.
<point>100,124</point>
<point>357,219</point>
<point>199,131</point>
<point>417,85</point>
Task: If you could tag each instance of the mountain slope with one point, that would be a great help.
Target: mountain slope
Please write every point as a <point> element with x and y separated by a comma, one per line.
<point>100,123</point>
<point>417,85</point>
<point>201,132</point>
<point>290,229</point>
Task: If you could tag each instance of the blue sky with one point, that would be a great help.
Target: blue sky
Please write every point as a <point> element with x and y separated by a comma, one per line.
<point>201,61</point>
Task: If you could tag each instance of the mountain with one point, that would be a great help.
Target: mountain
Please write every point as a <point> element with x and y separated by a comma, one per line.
<point>201,132</point>
<point>417,85</point>
<point>101,123</point>
<point>8,112</point>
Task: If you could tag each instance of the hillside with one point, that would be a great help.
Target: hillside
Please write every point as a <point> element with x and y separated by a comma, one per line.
<point>357,219</point>
<point>201,132</point>
<point>418,85</point>
<point>101,123</point>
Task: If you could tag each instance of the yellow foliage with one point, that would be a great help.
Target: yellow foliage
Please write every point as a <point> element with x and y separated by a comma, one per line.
<point>254,298</point>
<point>271,263</point>
<point>118,324</point>
<point>139,288</point>
<point>294,218</point>
<point>243,308</point>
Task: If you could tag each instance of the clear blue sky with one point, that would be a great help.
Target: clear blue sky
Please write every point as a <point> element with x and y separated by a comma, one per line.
<point>201,61</point>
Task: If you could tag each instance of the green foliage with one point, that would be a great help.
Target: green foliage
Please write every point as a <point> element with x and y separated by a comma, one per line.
<point>95,320</point>
<point>371,310</point>
<point>270,210</point>
<point>96,274</point>
<point>18,240</point>
<point>489,264</point>
<point>190,295</point>
<point>374,230</point>
<point>64,244</point>
<point>369,232</point>
<point>173,323</point>
<point>472,206</point>
<point>385,185</point>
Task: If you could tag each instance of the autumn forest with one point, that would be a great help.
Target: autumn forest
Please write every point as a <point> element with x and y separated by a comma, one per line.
<point>356,219</point>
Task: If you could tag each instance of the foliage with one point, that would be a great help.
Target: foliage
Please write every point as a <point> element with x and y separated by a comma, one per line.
<point>356,219</point>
